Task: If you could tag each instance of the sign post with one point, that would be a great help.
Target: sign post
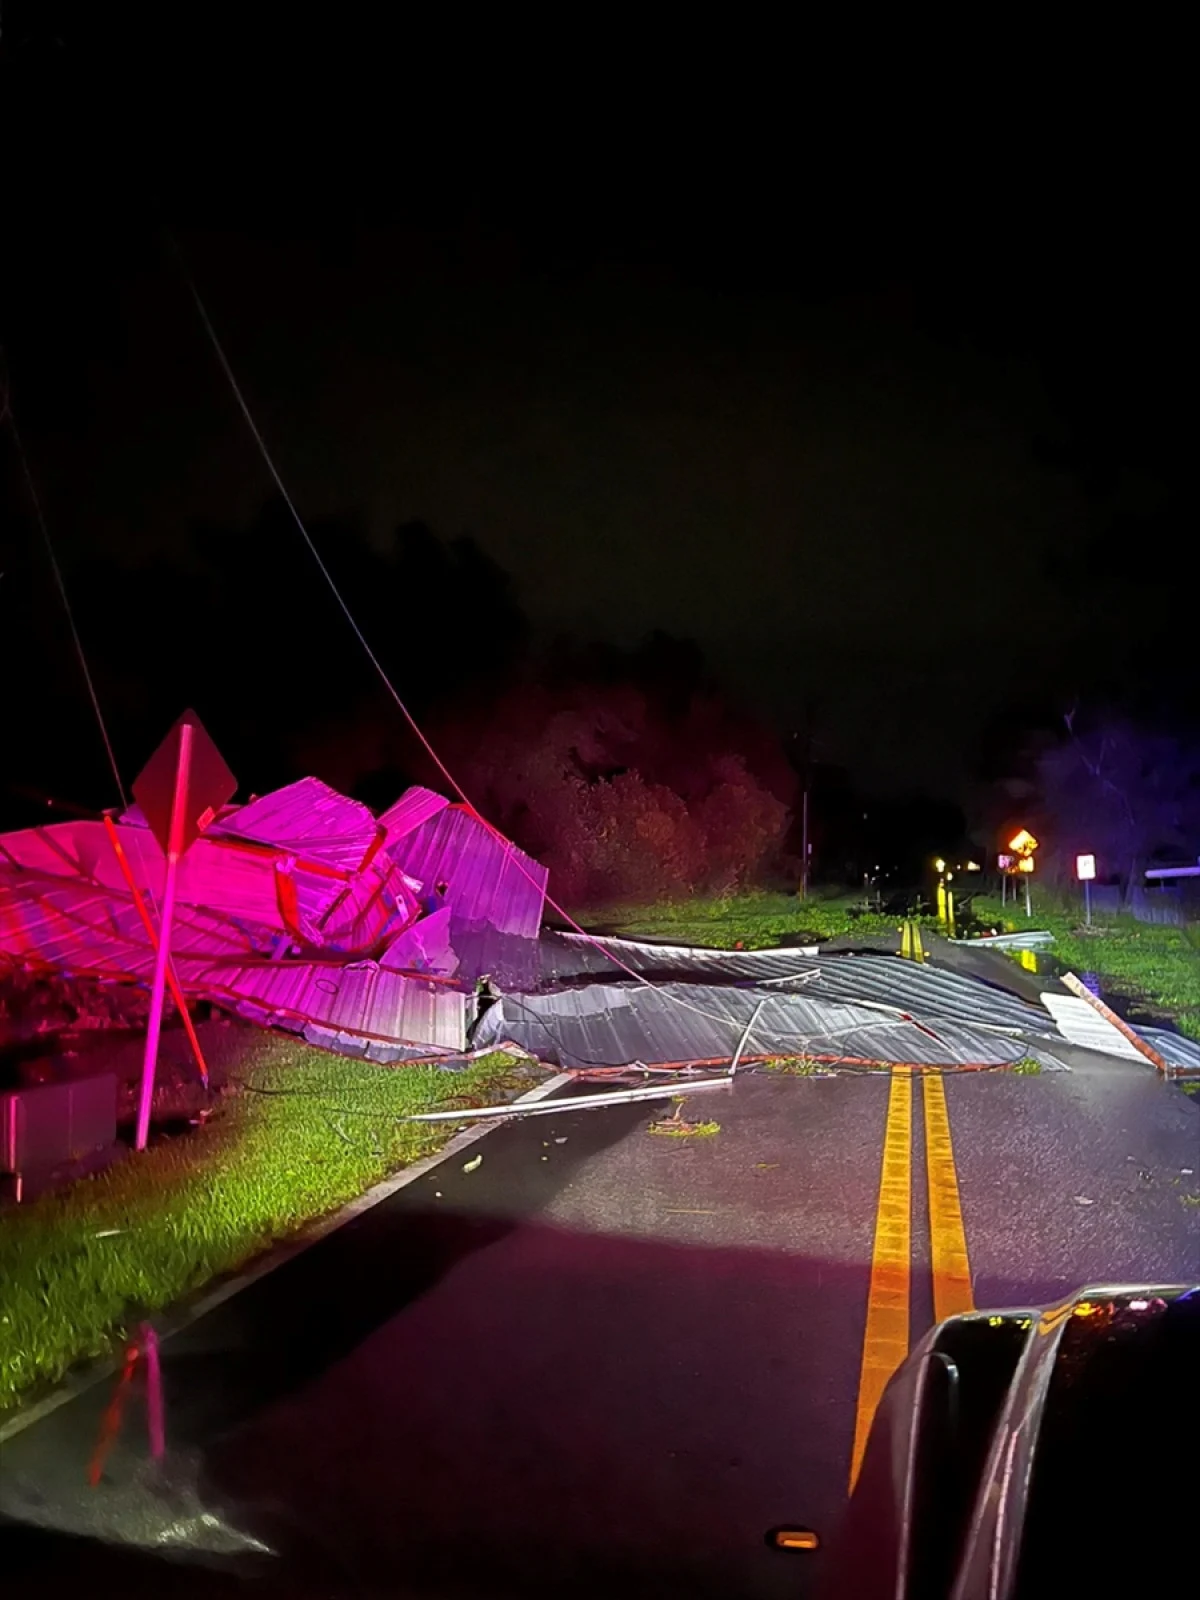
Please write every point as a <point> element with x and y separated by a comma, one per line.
<point>180,791</point>
<point>1085,871</point>
<point>1023,844</point>
<point>162,956</point>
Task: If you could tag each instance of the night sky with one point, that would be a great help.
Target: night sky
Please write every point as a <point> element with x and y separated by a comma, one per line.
<point>909,466</point>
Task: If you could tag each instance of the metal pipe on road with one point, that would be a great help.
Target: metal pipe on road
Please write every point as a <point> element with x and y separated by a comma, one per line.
<point>737,1054</point>
<point>584,1102</point>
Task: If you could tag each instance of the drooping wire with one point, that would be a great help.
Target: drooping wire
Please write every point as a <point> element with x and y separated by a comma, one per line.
<point>60,582</point>
<point>512,850</point>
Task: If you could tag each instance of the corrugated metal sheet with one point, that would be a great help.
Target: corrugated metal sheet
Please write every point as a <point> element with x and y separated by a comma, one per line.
<point>569,955</point>
<point>925,991</point>
<point>1081,1024</point>
<point>414,807</point>
<point>613,1025</point>
<point>78,929</point>
<point>236,880</point>
<point>382,1053</point>
<point>488,880</point>
<point>1175,1048</point>
<point>250,882</point>
<point>309,820</point>
<point>512,961</point>
<point>373,908</point>
<point>360,999</point>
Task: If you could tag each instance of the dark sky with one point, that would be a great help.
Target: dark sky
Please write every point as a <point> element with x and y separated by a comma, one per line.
<point>916,460</point>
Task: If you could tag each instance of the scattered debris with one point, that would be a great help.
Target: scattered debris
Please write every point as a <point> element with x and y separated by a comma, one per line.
<point>472,1166</point>
<point>411,934</point>
<point>1082,1200</point>
<point>300,910</point>
<point>672,1129</point>
<point>584,1102</point>
<point>798,1067</point>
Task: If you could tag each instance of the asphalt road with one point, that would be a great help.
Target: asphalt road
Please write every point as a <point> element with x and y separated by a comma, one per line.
<point>603,1361</point>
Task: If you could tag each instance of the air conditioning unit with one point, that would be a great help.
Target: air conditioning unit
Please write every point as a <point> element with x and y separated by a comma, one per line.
<point>53,1126</point>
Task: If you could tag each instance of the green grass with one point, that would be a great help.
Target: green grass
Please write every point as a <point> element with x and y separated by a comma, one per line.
<point>756,920</point>
<point>1027,1066</point>
<point>796,1066</point>
<point>670,1129</point>
<point>302,1133</point>
<point>1157,965</point>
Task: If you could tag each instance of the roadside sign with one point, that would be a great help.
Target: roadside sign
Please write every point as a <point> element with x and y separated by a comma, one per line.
<point>1022,844</point>
<point>180,790</point>
<point>1085,871</point>
<point>210,784</point>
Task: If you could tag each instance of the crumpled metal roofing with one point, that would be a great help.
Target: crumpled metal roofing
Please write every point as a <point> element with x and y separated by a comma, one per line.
<point>488,880</point>
<point>359,998</point>
<point>310,820</point>
<point>885,980</point>
<point>235,880</point>
<point>616,1024</point>
<point>415,806</point>
<point>1081,1024</point>
<point>287,909</point>
<point>80,930</point>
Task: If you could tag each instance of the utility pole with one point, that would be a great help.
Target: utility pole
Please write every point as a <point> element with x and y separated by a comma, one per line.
<point>804,766</point>
<point>804,842</point>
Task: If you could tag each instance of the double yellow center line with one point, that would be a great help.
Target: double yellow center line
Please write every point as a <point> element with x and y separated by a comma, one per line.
<point>885,1341</point>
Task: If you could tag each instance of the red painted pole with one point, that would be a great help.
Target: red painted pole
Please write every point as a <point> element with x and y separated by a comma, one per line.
<point>154,1395</point>
<point>152,933</point>
<point>158,991</point>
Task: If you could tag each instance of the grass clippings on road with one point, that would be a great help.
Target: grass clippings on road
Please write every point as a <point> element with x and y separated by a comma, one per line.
<point>300,1133</point>
<point>797,1066</point>
<point>670,1129</point>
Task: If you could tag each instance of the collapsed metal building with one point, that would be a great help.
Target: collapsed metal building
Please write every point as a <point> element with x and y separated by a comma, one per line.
<point>301,910</point>
<point>368,935</point>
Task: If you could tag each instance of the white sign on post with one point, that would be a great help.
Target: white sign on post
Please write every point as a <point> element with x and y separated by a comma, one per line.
<point>1085,871</point>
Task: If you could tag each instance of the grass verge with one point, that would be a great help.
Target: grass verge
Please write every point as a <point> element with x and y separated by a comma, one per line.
<point>1148,962</point>
<point>755,920</point>
<point>300,1133</point>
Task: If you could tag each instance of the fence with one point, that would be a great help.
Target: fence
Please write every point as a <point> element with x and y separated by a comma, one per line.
<point>1162,906</point>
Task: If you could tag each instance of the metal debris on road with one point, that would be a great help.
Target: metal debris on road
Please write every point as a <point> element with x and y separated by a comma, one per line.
<point>583,1102</point>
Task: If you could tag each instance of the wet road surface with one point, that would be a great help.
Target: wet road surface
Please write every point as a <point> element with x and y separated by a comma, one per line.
<point>606,1361</point>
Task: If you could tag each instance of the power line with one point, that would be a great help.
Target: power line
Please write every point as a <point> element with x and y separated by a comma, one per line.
<point>452,782</point>
<point>39,517</point>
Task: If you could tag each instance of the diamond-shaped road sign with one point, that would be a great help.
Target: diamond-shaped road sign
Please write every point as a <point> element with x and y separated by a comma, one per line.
<point>210,784</point>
